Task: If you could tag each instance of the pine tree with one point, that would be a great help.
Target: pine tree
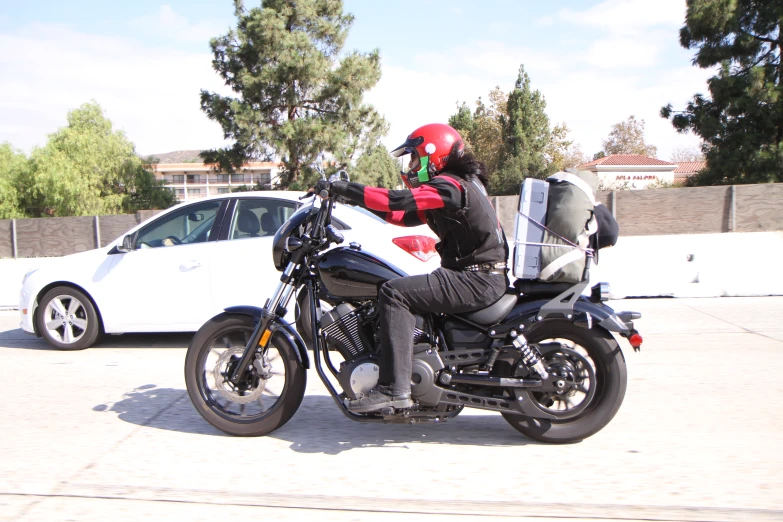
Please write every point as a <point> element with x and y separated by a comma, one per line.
<point>741,122</point>
<point>525,134</point>
<point>377,168</point>
<point>298,96</point>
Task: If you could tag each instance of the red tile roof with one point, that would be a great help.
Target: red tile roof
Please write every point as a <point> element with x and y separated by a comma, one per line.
<point>690,167</point>
<point>625,160</point>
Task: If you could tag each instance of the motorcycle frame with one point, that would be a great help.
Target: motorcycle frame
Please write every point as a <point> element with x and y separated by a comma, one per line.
<point>570,305</point>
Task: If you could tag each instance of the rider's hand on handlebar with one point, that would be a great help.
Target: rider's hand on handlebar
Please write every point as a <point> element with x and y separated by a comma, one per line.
<point>323,188</point>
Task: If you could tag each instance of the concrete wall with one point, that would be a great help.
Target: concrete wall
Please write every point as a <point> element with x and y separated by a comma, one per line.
<point>696,265</point>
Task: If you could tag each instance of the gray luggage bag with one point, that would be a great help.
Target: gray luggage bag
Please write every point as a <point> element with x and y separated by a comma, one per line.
<point>553,227</point>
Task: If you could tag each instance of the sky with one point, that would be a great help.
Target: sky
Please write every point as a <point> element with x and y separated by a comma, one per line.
<point>145,62</point>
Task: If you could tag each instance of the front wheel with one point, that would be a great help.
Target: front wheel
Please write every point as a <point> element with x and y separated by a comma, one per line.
<point>264,399</point>
<point>67,320</point>
<point>589,378</point>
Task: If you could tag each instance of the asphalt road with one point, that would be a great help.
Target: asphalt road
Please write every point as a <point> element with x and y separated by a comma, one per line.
<point>109,434</point>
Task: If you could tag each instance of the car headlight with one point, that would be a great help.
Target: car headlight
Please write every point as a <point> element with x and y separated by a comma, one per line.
<point>28,274</point>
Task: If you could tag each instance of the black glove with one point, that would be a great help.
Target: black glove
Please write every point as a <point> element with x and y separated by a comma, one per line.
<point>323,185</point>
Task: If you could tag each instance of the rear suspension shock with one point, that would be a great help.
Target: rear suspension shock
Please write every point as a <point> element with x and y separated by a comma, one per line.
<point>530,354</point>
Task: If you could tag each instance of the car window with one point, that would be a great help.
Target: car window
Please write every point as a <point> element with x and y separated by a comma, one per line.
<point>187,225</point>
<point>259,217</point>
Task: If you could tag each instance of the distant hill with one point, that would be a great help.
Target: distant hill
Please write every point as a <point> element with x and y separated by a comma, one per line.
<point>178,156</point>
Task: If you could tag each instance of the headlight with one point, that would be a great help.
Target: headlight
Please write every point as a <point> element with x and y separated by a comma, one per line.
<point>28,274</point>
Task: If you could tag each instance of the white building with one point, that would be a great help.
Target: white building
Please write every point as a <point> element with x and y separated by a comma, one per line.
<point>630,171</point>
<point>190,178</point>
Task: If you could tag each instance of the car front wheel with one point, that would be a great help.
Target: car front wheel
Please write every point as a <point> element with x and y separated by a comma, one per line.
<point>67,320</point>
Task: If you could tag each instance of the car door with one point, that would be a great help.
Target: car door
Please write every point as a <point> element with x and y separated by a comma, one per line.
<point>241,265</point>
<point>164,284</point>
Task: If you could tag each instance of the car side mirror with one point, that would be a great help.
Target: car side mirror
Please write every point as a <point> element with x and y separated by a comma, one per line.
<point>195,217</point>
<point>127,244</point>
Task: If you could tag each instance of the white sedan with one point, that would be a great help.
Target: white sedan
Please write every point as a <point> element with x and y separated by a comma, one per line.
<point>188,263</point>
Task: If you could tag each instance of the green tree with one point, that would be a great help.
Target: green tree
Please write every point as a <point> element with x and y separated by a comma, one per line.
<point>141,190</point>
<point>525,136</point>
<point>376,167</point>
<point>627,137</point>
<point>87,168</point>
<point>14,169</point>
<point>741,121</point>
<point>299,96</point>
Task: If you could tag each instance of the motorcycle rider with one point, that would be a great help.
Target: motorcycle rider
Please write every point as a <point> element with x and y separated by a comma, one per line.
<point>447,192</point>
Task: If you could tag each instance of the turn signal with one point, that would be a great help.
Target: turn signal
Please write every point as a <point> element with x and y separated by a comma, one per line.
<point>420,247</point>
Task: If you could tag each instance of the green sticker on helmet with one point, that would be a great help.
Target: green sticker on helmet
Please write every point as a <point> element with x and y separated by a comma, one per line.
<point>423,173</point>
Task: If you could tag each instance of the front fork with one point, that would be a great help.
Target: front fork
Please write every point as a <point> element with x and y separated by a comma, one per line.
<point>261,334</point>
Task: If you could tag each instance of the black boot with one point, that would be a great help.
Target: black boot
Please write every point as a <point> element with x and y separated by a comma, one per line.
<point>380,397</point>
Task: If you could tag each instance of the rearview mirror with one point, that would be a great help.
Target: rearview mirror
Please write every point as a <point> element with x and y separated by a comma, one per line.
<point>195,217</point>
<point>341,175</point>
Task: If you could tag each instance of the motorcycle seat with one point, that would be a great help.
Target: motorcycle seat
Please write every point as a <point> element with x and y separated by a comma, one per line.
<point>493,313</point>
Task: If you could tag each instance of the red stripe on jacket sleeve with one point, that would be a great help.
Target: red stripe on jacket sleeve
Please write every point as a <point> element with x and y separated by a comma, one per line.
<point>427,198</point>
<point>376,198</point>
<point>395,217</point>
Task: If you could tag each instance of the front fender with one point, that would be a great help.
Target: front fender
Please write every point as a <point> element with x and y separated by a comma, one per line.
<point>278,327</point>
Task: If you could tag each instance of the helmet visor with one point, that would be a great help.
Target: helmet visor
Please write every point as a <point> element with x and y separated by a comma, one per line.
<point>408,147</point>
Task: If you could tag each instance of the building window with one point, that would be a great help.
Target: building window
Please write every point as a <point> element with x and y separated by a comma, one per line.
<point>179,192</point>
<point>178,178</point>
<point>223,178</point>
<point>194,178</point>
<point>238,178</point>
<point>223,190</point>
<point>194,192</point>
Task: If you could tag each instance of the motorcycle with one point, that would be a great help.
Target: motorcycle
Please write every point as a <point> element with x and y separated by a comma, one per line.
<point>543,356</point>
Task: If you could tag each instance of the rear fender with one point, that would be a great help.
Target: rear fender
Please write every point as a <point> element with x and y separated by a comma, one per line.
<point>525,313</point>
<point>285,331</point>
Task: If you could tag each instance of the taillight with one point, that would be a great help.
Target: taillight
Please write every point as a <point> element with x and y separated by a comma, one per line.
<point>421,247</point>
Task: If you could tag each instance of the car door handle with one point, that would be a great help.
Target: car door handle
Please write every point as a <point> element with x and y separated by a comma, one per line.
<point>189,265</point>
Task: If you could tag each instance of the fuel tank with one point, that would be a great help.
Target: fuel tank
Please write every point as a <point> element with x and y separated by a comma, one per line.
<point>348,273</point>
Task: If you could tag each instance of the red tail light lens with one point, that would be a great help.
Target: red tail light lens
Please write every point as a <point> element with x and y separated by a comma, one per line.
<point>420,247</point>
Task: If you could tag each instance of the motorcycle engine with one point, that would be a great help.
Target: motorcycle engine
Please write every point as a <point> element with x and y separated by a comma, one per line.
<point>344,328</point>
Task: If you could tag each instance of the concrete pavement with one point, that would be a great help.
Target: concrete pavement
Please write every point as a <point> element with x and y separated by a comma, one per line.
<point>109,432</point>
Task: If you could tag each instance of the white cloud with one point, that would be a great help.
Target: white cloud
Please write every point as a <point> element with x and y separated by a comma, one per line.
<point>150,93</point>
<point>168,24</point>
<point>623,53</point>
<point>628,16</point>
<point>499,59</point>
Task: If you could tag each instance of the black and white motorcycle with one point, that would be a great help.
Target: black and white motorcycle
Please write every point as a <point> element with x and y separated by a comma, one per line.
<point>544,355</point>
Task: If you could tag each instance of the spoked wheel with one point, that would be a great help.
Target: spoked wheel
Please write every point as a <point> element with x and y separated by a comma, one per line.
<point>264,399</point>
<point>586,385</point>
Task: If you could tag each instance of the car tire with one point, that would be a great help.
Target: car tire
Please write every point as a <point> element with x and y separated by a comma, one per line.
<point>67,320</point>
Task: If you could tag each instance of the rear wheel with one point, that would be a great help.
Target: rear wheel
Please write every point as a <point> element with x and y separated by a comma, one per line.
<point>266,397</point>
<point>586,388</point>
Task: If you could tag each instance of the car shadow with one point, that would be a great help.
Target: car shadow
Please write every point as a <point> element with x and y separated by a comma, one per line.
<point>318,426</point>
<point>19,339</point>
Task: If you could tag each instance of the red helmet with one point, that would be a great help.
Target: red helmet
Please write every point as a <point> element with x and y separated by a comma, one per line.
<point>434,141</point>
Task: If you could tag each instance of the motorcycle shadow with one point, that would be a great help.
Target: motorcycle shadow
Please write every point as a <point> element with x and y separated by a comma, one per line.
<point>318,426</point>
